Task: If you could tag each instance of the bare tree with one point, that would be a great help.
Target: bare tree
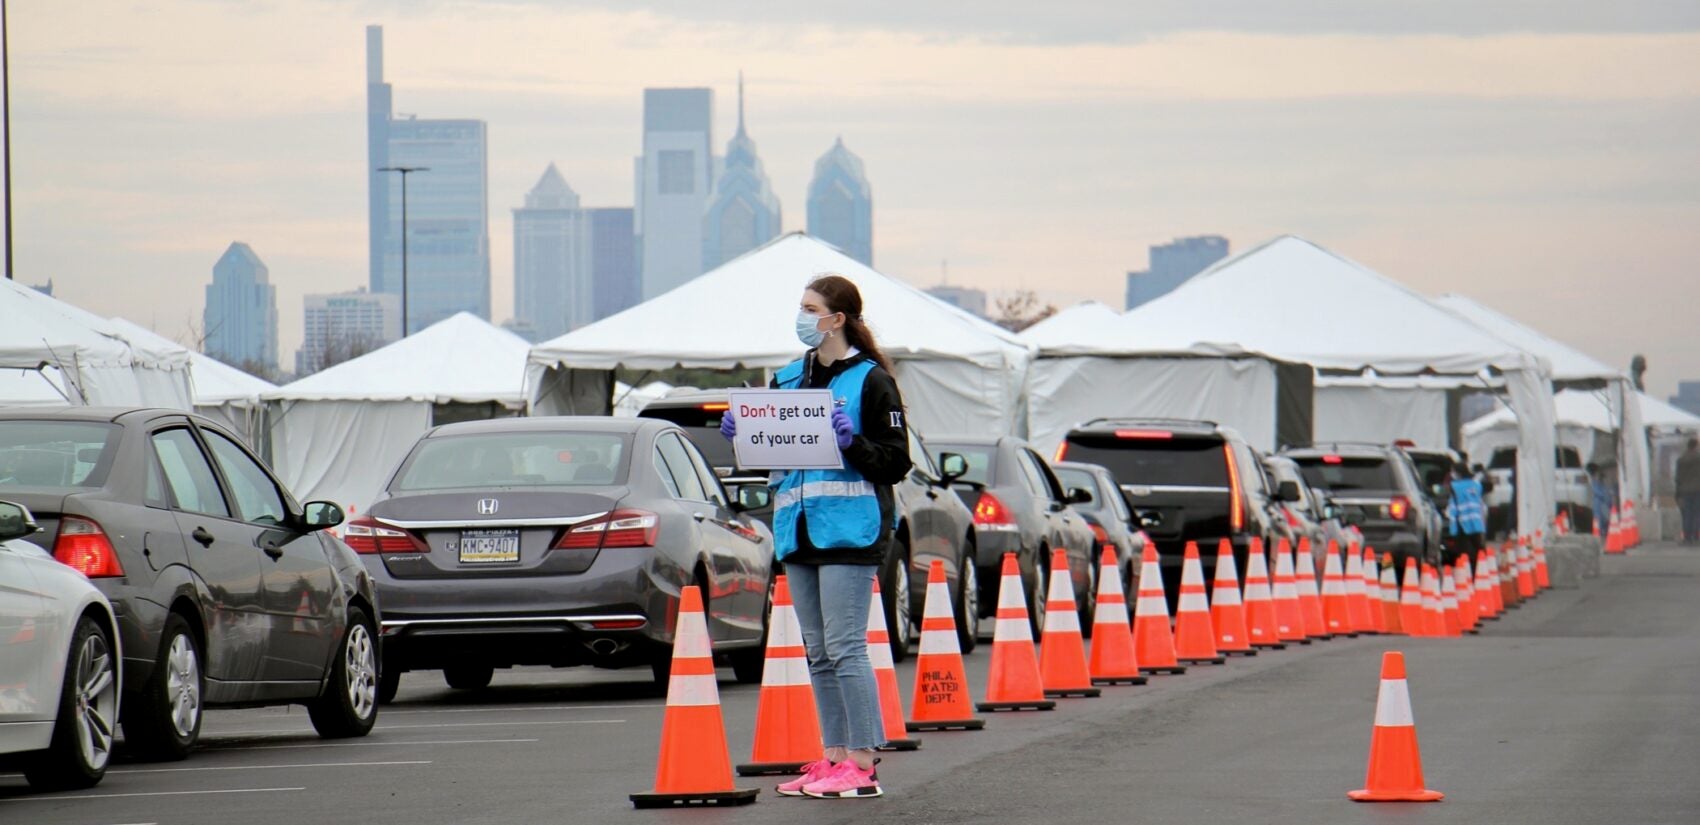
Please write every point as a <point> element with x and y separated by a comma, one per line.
<point>338,346</point>
<point>1021,310</point>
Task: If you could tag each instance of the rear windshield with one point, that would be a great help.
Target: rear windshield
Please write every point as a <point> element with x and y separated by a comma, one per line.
<point>1569,458</point>
<point>516,460</point>
<point>1503,459</point>
<point>1161,462</point>
<point>62,455</point>
<point>703,427</point>
<point>1347,473</point>
<point>980,460</point>
<point>1433,468</point>
<point>1071,478</point>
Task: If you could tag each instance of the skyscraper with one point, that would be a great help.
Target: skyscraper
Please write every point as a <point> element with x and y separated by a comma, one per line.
<point>674,175</point>
<point>448,222</point>
<point>613,260</point>
<point>240,319</point>
<point>552,278</point>
<point>744,213</point>
<point>338,326</point>
<point>841,204</point>
<point>1172,264</point>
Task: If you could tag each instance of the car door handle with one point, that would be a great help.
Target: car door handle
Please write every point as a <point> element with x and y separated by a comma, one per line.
<point>201,535</point>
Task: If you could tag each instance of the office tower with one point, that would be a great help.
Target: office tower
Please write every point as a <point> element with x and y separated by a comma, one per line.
<point>448,227</point>
<point>841,204</point>
<point>962,297</point>
<point>240,319</point>
<point>1172,264</point>
<point>674,175</point>
<point>1687,397</point>
<point>744,213</point>
<point>552,277</point>
<point>339,326</point>
<point>613,261</point>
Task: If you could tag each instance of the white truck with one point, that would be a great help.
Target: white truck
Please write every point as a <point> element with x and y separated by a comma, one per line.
<point>1571,491</point>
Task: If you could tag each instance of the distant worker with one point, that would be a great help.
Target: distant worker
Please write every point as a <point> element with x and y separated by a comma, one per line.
<point>831,528</point>
<point>1688,491</point>
<point>1602,482</point>
<point>1466,515</point>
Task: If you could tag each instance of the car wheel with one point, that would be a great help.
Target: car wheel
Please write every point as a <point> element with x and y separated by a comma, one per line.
<point>1088,600</point>
<point>88,713</point>
<point>747,664</point>
<point>389,681</point>
<point>349,706</point>
<point>468,677</point>
<point>968,606</point>
<point>1036,601</point>
<point>899,618</point>
<point>164,720</point>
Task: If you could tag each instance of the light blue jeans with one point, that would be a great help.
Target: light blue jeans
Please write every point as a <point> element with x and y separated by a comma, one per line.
<point>832,607</point>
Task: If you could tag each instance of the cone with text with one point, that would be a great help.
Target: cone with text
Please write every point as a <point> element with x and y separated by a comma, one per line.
<point>940,700</point>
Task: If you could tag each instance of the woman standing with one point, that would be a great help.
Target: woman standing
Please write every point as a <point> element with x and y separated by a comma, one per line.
<point>831,528</point>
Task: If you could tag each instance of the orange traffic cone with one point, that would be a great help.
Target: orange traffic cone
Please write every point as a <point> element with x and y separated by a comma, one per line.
<point>1614,534</point>
<point>787,727</point>
<point>1113,661</point>
<point>1543,580</point>
<point>1631,528</point>
<point>1062,653</point>
<point>1259,606</point>
<point>1013,683</point>
<point>1310,598</point>
<point>1434,613</point>
<point>1195,637</point>
<point>885,677</point>
<point>1227,611</point>
<point>1466,594</point>
<point>694,767</point>
<point>1372,592</point>
<point>1495,584</point>
<point>1153,640</point>
<point>1525,571</point>
<point>1357,599</point>
<point>1411,600</point>
<point>1390,622</point>
<point>940,701</point>
<point>1335,609</point>
<point>1289,621</point>
<point>1452,624</point>
<point>1505,564</point>
<point>1395,771</point>
<point>1484,588</point>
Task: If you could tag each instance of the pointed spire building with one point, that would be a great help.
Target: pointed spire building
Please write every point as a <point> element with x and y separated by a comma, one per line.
<point>743,213</point>
<point>841,203</point>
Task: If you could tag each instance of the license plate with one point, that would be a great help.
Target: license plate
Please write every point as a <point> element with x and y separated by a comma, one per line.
<point>484,546</point>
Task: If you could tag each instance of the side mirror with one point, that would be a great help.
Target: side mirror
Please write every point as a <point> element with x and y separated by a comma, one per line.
<point>1079,495</point>
<point>747,497</point>
<point>952,466</point>
<point>321,515</point>
<point>1287,491</point>
<point>16,521</point>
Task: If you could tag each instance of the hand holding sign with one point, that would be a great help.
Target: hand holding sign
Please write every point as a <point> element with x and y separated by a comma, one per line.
<point>841,428</point>
<point>785,429</point>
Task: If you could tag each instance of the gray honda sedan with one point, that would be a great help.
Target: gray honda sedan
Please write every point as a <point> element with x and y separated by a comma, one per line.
<point>560,541</point>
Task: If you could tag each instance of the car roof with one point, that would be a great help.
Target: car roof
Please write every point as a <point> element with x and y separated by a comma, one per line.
<point>1356,449</point>
<point>691,396</point>
<point>1186,426</point>
<point>551,423</point>
<point>1095,469</point>
<point>970,440</point>
<point>104,415</point>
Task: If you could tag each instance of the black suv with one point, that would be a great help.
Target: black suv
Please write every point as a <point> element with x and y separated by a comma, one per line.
<point>1186,481</point>
<point>1377,488</point>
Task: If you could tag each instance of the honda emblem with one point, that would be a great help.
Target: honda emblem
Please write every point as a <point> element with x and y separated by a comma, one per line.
<point>486,507</point>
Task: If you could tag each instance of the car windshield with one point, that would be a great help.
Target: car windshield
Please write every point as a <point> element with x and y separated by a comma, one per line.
<point>980,458</point>
<point>703,427</point>
<point>64,455</point>
<point>1503,459</point>
<point>1433,468</point>
<point>1158,462</point>
<point>532,459</point>
<point>1072,478</point>
<point>1347,473</point>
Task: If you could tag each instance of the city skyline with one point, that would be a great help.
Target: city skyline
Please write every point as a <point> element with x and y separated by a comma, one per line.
<point>1520,158</point>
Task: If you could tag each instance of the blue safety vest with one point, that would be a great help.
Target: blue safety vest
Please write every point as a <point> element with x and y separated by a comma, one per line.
<point>842,507</point>
<point>1466,513</point>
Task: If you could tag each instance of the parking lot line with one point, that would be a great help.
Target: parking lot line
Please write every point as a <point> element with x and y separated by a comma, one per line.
<point>147,793</point>
<point>459,725</point>
<point>366,744</point>
<point>525,708</point>
<point>263,767</point>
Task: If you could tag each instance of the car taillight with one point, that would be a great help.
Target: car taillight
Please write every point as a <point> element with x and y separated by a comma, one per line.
<point>621,528</point>
<point>83,546</point>
<point>1292,520</point>
<point>1332,459</point>
<point>991,514</point>
<point>1158,434</point>
<point>1236,511</point>
<point>1062,450</point>
<point>1398,508</point>
<point>713,406</point>
<point>368,535</point>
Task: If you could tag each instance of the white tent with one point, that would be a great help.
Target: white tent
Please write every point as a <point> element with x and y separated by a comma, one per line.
<point>630,400</point>
<point>1291,301</point>
<point>1573,369</point>
<point>92,361</point>
<point>1376,408</point>
<point>221,392</point>
<point>958,373</point>
<point>338,434</point>
<point>1581,413</point>
<point>1067,332</point>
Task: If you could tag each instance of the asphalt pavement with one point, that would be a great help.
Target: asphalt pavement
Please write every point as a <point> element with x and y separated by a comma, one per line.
<point>1581,707</point>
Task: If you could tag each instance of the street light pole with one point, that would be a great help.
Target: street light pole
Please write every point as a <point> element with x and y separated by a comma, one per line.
<point>404,171</point>
<point>6,117</point>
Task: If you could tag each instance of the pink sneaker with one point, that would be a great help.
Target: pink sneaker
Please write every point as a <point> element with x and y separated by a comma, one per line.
<point>813,772</point>
<point>847,781</point>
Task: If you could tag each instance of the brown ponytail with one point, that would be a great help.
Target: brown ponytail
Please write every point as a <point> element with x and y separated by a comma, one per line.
<point>842,296</point>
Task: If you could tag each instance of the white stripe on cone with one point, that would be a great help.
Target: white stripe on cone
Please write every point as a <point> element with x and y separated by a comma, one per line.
<point>1012,630</point>
<point>693,690</point>
<point>690,637</point>
<point>1193,603</point>
<point>1151,601</point>
<point>1111,614</point>
<point>787,671</point>
<point>1257,579</point>
<point>1393,705</point>
<point>1062,621</point>
<point>938,601</point>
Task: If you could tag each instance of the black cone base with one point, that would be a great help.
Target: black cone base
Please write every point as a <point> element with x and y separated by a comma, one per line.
<point>1081,692</point>
<point>1037,704</point>
<point>900,745</point>
<point>1120,680</point>
<point>1275,646</point>
<point>737,796</point>
<point>1155,670</point>
<point>1240,652</point>
<point>1215,660</point>
<point>955,724</point>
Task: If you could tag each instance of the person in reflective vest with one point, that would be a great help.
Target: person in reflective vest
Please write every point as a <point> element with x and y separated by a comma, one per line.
<point>832,528</point>
<point>1466,515</point>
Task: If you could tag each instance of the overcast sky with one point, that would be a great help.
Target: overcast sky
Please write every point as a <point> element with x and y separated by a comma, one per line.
<point>1543,157</point>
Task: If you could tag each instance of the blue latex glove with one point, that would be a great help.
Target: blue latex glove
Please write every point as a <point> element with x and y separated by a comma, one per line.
<point>728,426</point>
<point>841,428</point>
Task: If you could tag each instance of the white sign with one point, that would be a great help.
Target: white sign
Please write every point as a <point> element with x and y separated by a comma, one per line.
<point>784,430</point>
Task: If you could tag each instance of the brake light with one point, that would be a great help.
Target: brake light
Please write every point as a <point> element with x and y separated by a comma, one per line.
<point>991,514</point>
<point>1144,434</point>
<point>367,535</point>
<point>1292,520</point>
<point>1236,511</point>
<point>1099,533</point>
<point>1404,442</point>
<point>1398,508</point>
<point>618,624</point>
<point>83,546</point>
<point>621,528</point>
<point>719,406</point>
<point>1062,450</point>
<point>1332,459</point>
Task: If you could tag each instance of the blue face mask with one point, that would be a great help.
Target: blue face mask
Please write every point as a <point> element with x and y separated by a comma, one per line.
<point>808,330</point>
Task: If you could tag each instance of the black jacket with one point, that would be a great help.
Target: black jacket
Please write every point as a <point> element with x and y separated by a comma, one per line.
<point>880,453</point>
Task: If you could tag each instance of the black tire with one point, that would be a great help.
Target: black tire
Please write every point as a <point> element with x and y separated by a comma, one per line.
<point>468,677</point>
<point>661,670</point>
<point>349,705</point>
<point>87,720</point>
<point>1036,601</point>
<point>155,718</point>
<point>895,592</point>
<point>1088,600</point>
<point>967,604</point>
<point>389,681</point>
<point>747,664</point>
